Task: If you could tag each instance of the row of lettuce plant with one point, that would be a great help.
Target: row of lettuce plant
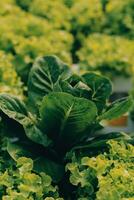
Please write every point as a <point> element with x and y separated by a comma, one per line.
<point>37,27</point>
<point>109,16</point>
<point>60,122</point>
<point>111,55</point>
<point>26,36</point>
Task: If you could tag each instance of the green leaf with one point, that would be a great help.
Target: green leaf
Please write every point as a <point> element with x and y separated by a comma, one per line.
<point>77,87</point>
<point>117,109</point>
<point>99,143</point>
<point>43,75</point>
<point>66,87</point>
<point>90,86</point>
<point>101,87</point>
<point>14,108</point>
<point>36,135</point>
<point>66,118</point>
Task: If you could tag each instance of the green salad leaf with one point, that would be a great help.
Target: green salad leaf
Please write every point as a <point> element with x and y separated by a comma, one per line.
<point>14,108</point>
<point>43,76</point>
<point>66,117</point>
<point>117,108</point>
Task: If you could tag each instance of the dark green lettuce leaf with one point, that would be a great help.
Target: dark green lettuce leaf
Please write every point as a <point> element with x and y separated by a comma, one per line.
<point>34,133</point>
<point>117,109</point>
<point>90,86</point>
<point>97,144</point>
<point>16,110</point>
<point>101,88</point>
<point>43,76</point>
<point>66,118</point>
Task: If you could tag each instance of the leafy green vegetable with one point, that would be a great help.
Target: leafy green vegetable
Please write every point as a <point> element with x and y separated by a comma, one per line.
<point>106,54</point>
<point>14,108</point>
<point>100,86</point>
<point>39,28</point>
<point>43,76</point>
<point>61,114</point>
<point>106,176</point>
<point>91,86</point>
<point>66,118</point>
<point>22,183</point>
<point>60,119</point>
<point>119,14</point>
<point>117,108</point>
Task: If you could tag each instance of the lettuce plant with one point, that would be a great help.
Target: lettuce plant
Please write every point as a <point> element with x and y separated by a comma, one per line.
<point>50,10</point>
<point>53,12</point>
<point>8,7</point>
<point>86,15</point>
<point>63,111</point>
<point>105,176</point>
<point>40,28</point>
<point>20,182</point>
<point>107,54</point>
<point>26,35</point>
<point>119,18</point>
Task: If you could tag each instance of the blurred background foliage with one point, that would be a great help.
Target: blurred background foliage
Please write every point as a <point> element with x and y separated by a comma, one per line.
<point>9,81</point>
<point>94,34</point>
<point>112,55</point>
